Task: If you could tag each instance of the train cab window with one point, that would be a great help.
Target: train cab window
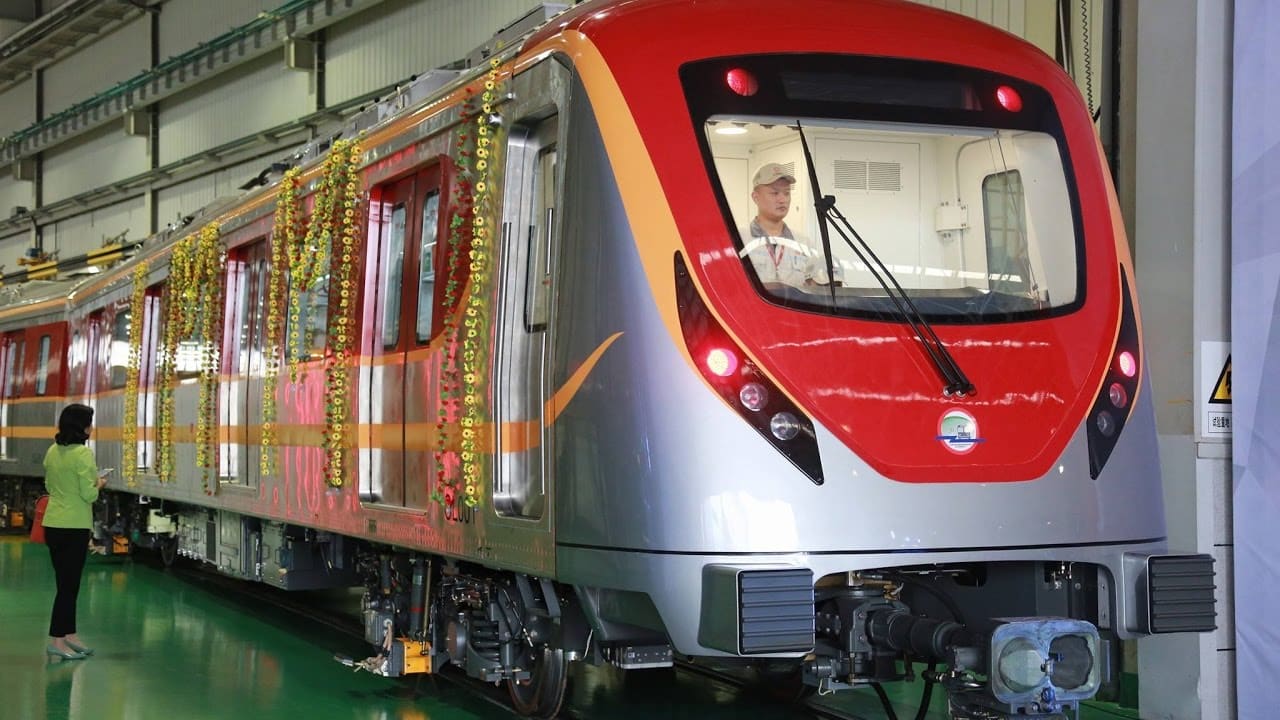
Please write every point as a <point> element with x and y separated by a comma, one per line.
<point>391,271</point>
<point>118,355</point>
<point>42,365</point>
<point>967,206</point>
<point>427,264</point>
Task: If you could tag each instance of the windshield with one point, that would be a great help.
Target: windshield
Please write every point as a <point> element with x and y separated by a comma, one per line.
<point>975,222</point>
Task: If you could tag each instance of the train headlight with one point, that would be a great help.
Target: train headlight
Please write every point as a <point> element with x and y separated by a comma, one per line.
<point>1114,404</point>
<point>784,426</point>
<point>1106,424</point>
<point>1118,395</point>
<point>732,374</point>
<point>753,396</point>
<point>1044,665</point>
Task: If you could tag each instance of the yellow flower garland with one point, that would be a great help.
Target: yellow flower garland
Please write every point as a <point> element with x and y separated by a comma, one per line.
<point>194,306</point>
<point>473,224</point>
<point>328,244</point>
<point>137,310</point>
<point>283,236</point>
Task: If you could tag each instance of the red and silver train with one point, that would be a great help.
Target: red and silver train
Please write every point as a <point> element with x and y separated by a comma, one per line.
<point>531,387</point>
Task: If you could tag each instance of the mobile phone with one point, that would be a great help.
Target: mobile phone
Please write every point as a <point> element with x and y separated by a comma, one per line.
<point>103,472</point>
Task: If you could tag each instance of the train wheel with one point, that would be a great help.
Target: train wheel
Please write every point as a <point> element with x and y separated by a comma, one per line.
<point>543,693</point>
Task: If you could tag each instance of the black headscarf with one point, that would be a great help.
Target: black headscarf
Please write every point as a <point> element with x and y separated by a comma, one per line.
<point>73,424</point>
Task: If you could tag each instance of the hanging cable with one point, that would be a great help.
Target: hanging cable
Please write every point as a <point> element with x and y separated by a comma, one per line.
<point>1088,54</point>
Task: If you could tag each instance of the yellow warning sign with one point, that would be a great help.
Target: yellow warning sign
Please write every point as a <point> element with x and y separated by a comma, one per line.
<point>1221,394</point>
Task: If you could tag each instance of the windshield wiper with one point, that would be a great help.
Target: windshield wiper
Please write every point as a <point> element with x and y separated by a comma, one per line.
<point>957,383</point>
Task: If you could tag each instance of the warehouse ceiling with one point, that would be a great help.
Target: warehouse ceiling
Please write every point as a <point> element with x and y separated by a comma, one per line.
<point>22,10</point>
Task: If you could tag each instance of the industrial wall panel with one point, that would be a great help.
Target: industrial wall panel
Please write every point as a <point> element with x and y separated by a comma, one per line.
<point>99,66</point>
<point>257,95</point>
<point>1005,14</point>
<point>184,24</point>
<point>12,247</point>
<point>14,242</point>
<point>92,160</point>
<point>14,193</point>
<point>80,234</point>
<point>399,38</point>
<point>17,107</point>
<point>1031,20</point>
<point>179,201</point>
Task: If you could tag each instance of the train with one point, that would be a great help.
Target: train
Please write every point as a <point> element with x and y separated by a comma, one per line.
<point>503,352</point>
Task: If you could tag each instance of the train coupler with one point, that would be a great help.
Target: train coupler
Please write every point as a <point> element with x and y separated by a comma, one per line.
<point>404,657</point>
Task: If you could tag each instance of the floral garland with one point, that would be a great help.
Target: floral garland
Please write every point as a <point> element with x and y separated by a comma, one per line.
<point>343,232</point>
<point>195,305</point>
<point>283,236</point>
<point>137,309</point>
<point>473,225</point>
<point>333,232</point>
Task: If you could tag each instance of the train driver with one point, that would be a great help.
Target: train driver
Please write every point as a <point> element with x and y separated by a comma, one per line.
<point>776,253</point>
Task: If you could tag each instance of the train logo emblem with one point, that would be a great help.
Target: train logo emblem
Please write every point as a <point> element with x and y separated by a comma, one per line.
<point>958,432</point>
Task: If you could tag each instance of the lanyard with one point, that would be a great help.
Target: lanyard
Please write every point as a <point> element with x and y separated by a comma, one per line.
<point>776,252</point>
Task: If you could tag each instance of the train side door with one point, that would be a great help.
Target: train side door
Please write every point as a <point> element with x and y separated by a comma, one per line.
<point>421,324</point>
<point>391,209</point>
<point>243,364</point>
<point>11,351</point>
<point>521,480</point>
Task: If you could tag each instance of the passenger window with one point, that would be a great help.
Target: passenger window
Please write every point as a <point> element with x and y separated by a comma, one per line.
<point>427,264</point>
<point>13,385</point>
<point>42,365</point>
<point>392,269</point>
<point>118,356</point>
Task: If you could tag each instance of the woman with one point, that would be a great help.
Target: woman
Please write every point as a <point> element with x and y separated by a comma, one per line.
<point>71,479</point>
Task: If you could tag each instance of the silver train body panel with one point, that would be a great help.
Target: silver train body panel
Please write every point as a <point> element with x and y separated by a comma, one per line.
<point>659,478</point>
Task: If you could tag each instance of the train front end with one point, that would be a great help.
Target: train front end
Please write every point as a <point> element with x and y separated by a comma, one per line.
<point>895,403</point>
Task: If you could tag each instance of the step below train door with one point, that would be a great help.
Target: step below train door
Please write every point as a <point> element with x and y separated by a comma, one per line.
<point>521,529</point>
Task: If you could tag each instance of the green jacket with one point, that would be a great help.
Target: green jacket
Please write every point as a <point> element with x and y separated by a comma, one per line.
<point>71,478</point>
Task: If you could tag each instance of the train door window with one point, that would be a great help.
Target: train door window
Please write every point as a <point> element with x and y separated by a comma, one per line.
<point>1004,207</point>
<point>92,352</point>
<point>538,281</point>
<point>427,264</point>
<point>255,355</point>
<point>391,270</point>
<point>232,401</point>
<point>313,318</point>
<point>42,365</point>
<point>147,390</point>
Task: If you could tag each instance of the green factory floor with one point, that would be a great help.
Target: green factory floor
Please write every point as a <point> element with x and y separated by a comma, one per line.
<point>171,649</point>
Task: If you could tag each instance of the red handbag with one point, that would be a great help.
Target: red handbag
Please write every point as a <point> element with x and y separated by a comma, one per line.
<point>37,523</point>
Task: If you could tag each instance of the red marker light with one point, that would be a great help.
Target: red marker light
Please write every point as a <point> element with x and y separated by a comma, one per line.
<point>1009,98</point>
<point>742,82</point>
<point>1128,365</point>
<point>722,362</point>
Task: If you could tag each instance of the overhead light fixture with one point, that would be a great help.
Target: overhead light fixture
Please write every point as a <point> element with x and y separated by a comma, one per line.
<point>734,129</point>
